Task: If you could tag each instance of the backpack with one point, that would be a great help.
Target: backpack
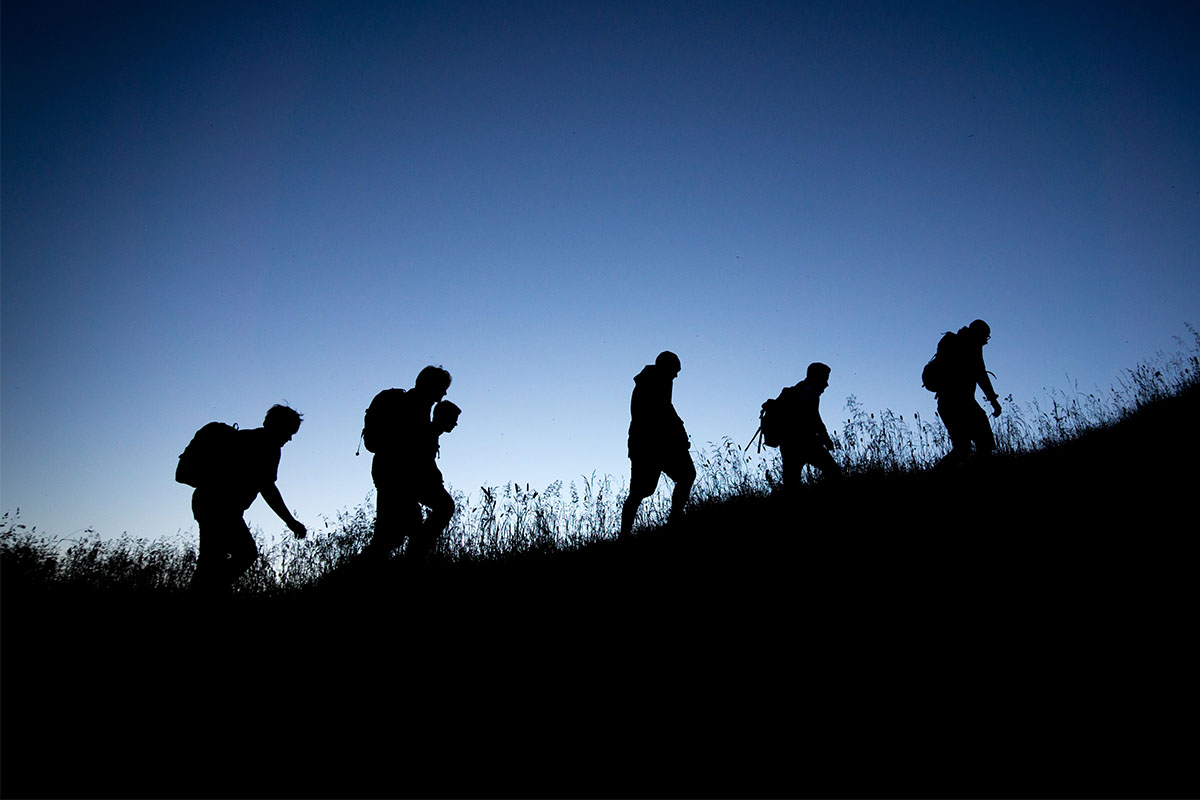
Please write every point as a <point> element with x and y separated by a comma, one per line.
<point>380,420</point>
<point>208,455</point>
<point>772,420</point>
<point>941,366</point>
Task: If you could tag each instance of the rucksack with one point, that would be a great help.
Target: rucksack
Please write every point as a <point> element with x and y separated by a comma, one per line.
<point>380,420</point>
<point>941,366</point>
<point>772,420</point>
<point>210,454</point>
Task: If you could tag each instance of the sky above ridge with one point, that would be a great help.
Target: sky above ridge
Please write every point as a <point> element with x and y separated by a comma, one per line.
<point>210,207</point>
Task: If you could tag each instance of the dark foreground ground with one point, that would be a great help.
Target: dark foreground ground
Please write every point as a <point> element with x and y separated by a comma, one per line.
<point>1030,636</point>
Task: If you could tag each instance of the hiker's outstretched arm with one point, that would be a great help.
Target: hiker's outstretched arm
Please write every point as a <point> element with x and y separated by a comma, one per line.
<point>275,501</point>
<point>825,438</point>
<point>985,383</point>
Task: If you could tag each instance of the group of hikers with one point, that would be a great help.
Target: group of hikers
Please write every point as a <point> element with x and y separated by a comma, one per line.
<point>229,468</point>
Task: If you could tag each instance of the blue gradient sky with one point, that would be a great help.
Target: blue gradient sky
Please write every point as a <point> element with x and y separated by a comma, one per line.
<point>212,207</point>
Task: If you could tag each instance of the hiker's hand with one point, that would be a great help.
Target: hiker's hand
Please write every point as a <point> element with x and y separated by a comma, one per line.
<point>995,406</point>
<point>298,529</point>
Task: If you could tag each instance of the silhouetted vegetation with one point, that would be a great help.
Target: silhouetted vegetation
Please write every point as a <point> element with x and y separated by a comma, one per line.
<point>509,520</point>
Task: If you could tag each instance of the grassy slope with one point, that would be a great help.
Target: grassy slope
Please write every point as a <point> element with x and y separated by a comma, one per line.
<point>1026,637</point>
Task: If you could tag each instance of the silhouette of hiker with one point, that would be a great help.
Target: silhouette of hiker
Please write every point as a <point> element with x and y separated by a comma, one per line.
<point>803,437</point>
<point>445,419</point>
<point>961,370</point>
<point>229,469</point>
<point>401,434</point>
<point>658,442</point>
<point>431,491</point>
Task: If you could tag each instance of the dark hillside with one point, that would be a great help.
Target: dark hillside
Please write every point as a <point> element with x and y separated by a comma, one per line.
<point>1016,628</point>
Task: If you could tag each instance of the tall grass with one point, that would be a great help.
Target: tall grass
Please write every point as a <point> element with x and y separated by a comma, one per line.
<point>90,562</point>
<point>510,520</point>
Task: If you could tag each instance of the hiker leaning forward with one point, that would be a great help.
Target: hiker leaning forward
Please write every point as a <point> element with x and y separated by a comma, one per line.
<point>404,473</point>
<point>804,438</point>
<point>658,442</point>
<point>227,548</point>
<point>966,422</point>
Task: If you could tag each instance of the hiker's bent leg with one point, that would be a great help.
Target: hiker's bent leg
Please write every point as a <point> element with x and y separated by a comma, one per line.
<point>242,551</point>
<point>209,563</point>
<point>441,508</point>
<point>985,440</point>
<point>643,480</point>
<point>822,459</point>
<point>219,528</point>
<point>950,411</point>
<point>683,472</point>
<point>628,514</point>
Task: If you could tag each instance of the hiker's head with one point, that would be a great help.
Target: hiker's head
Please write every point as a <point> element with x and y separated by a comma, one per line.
<point>980,330</point>
<point>433,383</point>
<point>818,374</point>
<point>445,416</point>
<point>282,422</point>
<point>668,362</point>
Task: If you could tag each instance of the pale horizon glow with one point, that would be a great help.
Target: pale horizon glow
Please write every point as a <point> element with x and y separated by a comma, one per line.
<point>209,208</point>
